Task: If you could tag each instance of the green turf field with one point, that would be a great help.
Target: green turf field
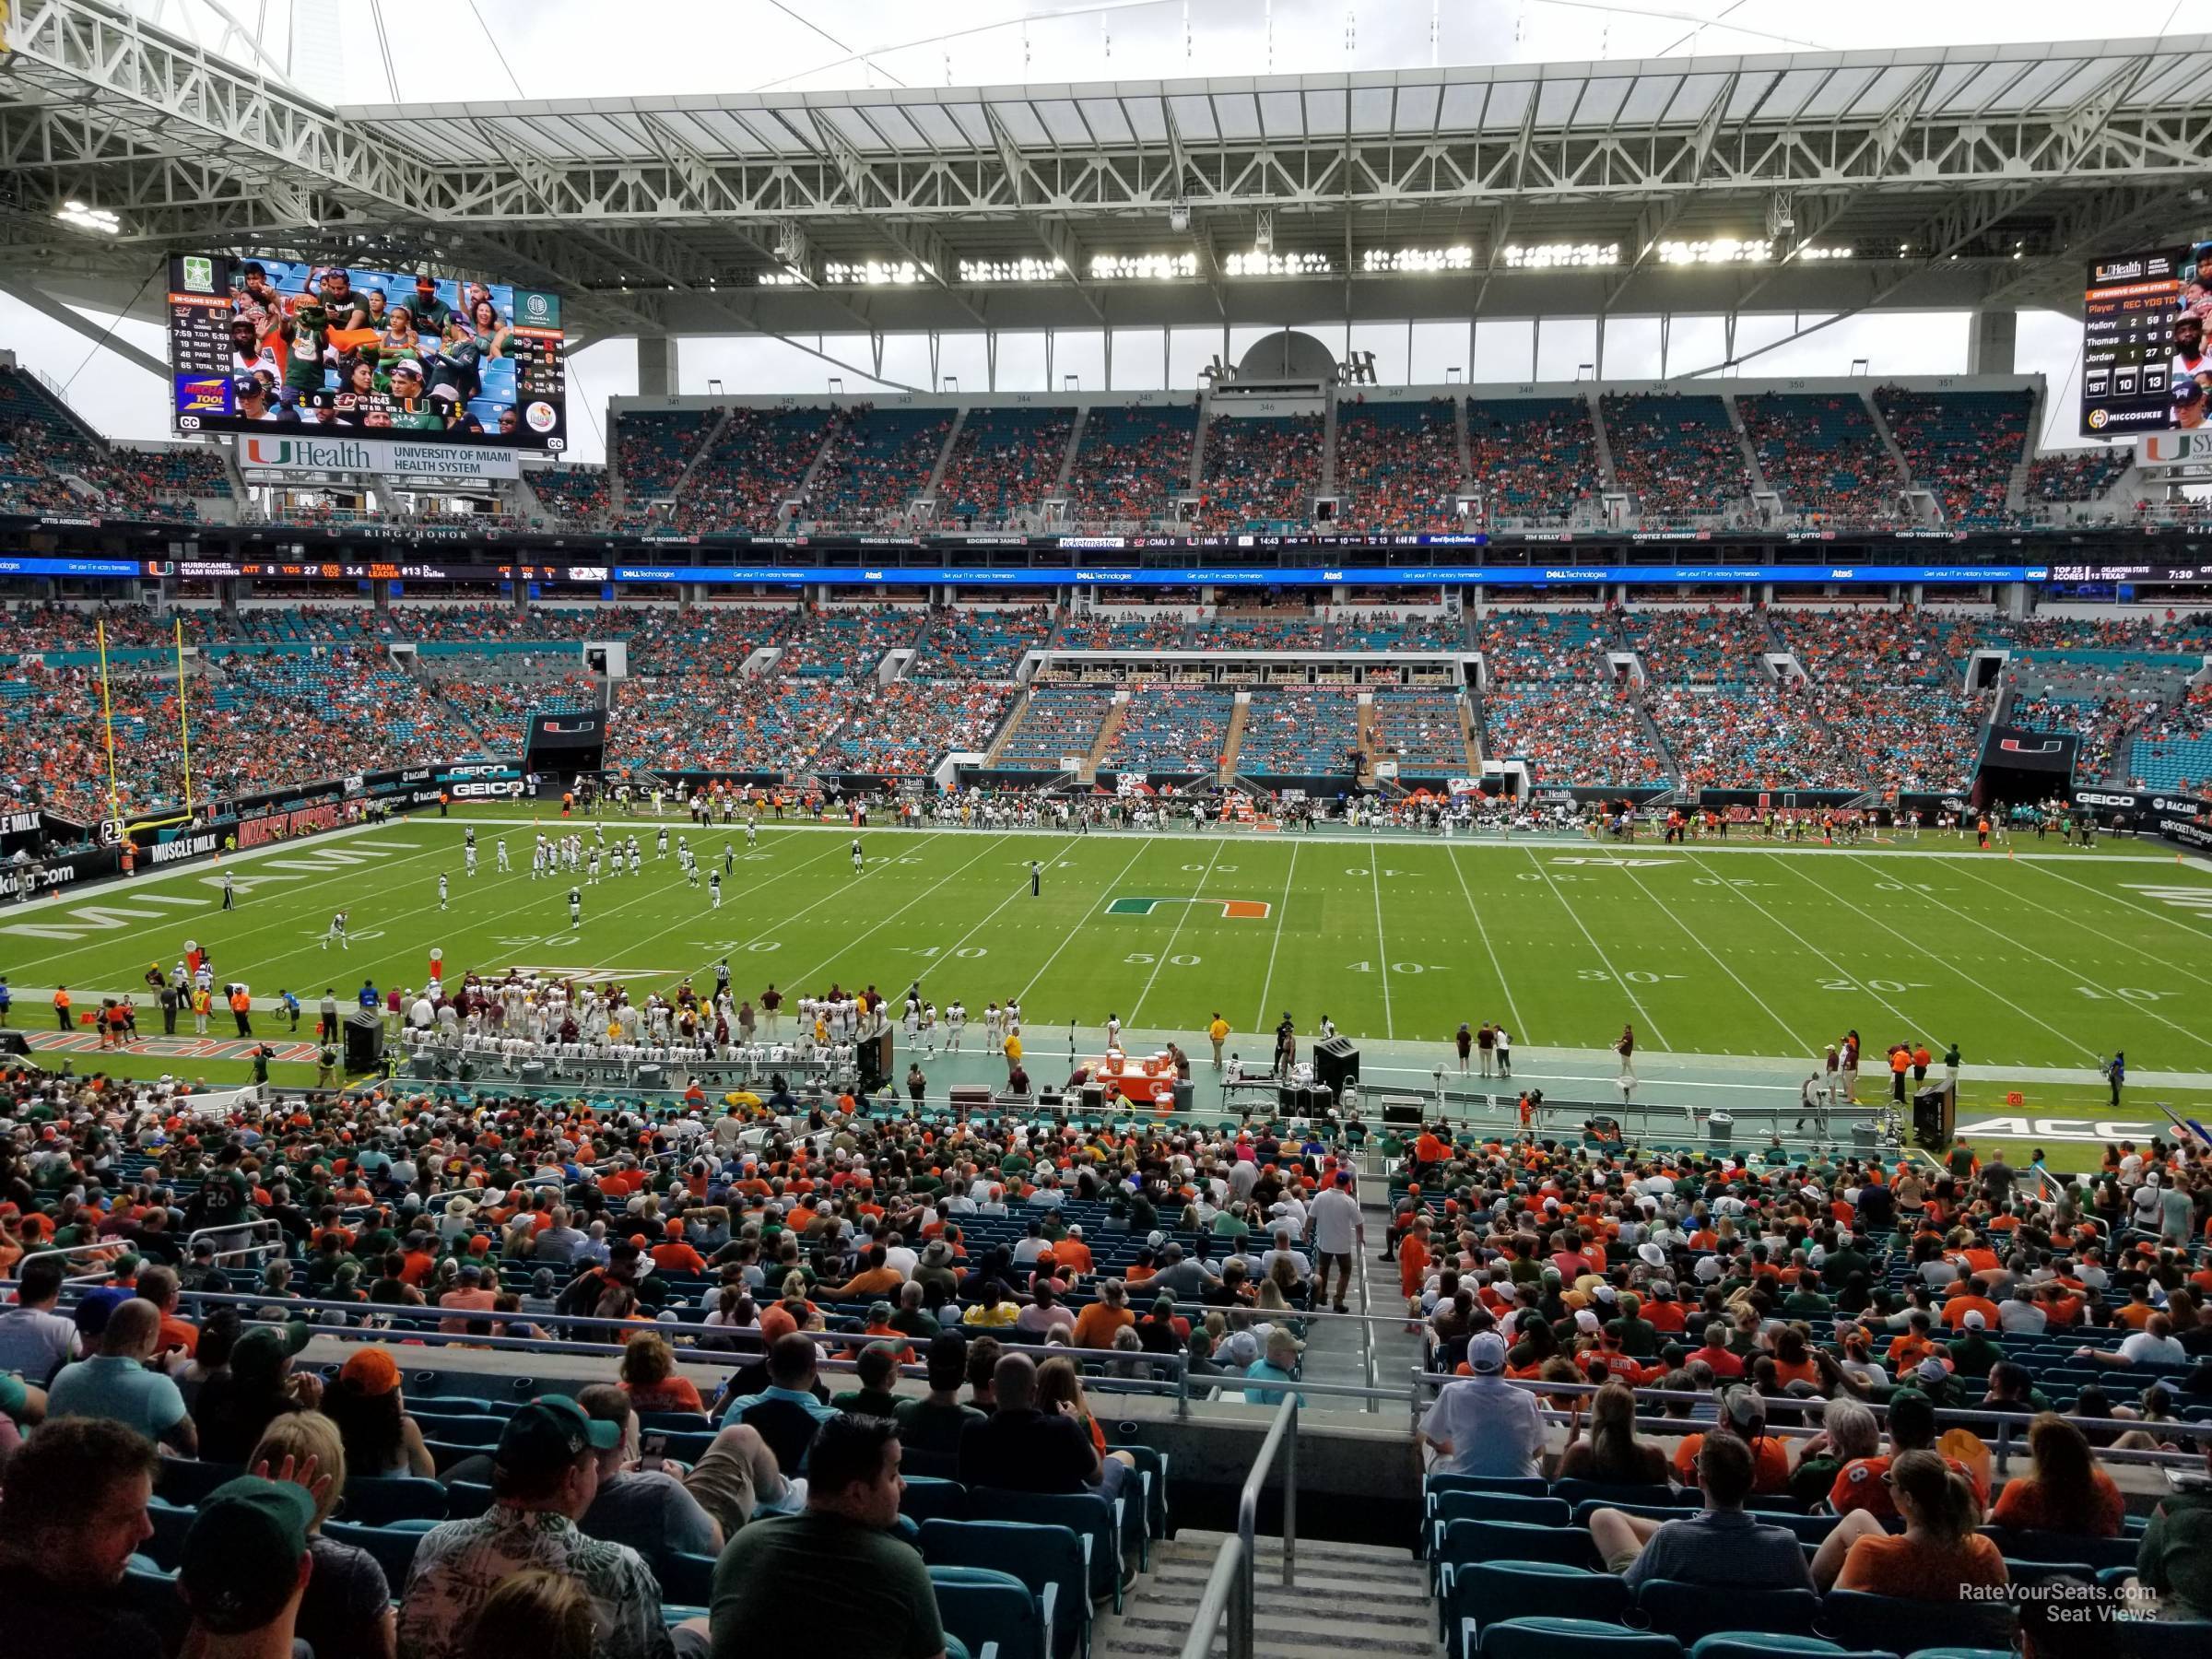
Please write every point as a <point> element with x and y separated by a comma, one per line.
<point>2036,962</point>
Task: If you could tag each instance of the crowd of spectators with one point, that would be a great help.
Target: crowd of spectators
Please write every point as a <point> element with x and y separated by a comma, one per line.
<point>1519,646</point>
<point>1587,736</point>
<point>1057,722</point>
<point>1301,732</point>
<point>652,449</point>
<point>752,466</point>
<point>1747,736</point>
<point>1676,454</point>
<point>1713,646</point>
<point>1397,465</point>
<point>981,644</point>
<point>1876,645</point>
<point>878,463</point>
<point>1421,729</point>
<point>1005,462</point>
<point>1533,460</point>
<point>1233,629</point>
<point>2077,475</point>
<point>2172,749</point>
<point>1361,630</point>
<point>571,495</point>
<point>903,729</point>
<point>2100,726</point>
<point>1167,728</point>
<point>1961,446</point>
<point>1101,629</point>
<point>1260,472</point>
<point>1822,455</point>
<point>1132,463</point>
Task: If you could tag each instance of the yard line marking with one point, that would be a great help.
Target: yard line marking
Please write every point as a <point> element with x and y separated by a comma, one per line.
<point>1374,875</point>
<point>1667,910</point>
<point>1513,1008</point>
<point>2130,904</point>
<point>1900,1014</point>
<point>1642,1013</point>
<point>2082,978</point>
<point>1944,962</point>
<point>1081,922</point>
<point>990,848</point>
<point>1259,1020</point>
<point>1175,933</point>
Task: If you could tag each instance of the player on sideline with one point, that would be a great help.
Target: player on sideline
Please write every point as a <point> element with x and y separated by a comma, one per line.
<point>715,889</point>
<point>441,889</point>
<point>337,932</point>
<point>955,1023</point>
<point>856,855</point>
<point>499,847</point>
<point>575,907</point>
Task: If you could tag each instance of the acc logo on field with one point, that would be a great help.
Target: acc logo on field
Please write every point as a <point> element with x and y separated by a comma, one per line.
<point>541,416</point>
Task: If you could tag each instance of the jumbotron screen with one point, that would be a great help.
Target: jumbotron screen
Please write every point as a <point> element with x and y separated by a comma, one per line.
<point>261,344</point>
<point>2144,367</point>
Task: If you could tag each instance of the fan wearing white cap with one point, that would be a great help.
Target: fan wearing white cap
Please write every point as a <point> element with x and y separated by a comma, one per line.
<point>1481,1424</point>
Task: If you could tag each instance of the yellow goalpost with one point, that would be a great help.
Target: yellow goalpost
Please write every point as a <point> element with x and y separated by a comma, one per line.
<point>107,713</point>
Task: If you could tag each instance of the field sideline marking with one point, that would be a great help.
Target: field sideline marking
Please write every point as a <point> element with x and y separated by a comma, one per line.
<point>1902,1017</point>
<point>1081,922</point>
<point>2080,977</point>
<point>1374,873</point>
<point>1573,915</point>
<point>1525,843</point>
<point>1691,934</point>
<point>1944,962</point>
<point>2143,908</point>
<point>1259,1021</point>
<point>1497,967</point>
<point>1175,933</point>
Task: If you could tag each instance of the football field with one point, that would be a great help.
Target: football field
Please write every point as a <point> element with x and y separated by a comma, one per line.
<point>2050,959</point>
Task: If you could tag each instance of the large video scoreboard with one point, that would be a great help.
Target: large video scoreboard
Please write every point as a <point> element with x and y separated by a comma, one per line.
<point>2143,362</point>
<point>273,346</point>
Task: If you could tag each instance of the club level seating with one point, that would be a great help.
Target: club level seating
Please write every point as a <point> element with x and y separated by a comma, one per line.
<point>1421,730</point>
<point>1057,721</point>
<point>1300,733</point>
<point>1172,729</point>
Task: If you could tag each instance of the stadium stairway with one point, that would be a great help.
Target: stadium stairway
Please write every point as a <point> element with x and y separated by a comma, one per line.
<point>952,435</point>
<point>1607,477</point>
<point>1750,451</point>
<point>1352,1601</point>
<point>1234,742</point>
<point>698,455</point>
<point>1108,729</point>
<point>1074,446</point>
<point>1657,739</point>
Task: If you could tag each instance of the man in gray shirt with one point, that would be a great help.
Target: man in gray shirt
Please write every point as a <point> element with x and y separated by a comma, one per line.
<point>35,1341</point>
<point>1720,1546</point>
<point>1179,1277</point>
<point>647,1509</point>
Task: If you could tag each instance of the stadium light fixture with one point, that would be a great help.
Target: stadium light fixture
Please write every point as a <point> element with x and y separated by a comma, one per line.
<point>1013,270</point>
<point>876,273</point>
<point>88,218</point>
<point>1179,217</point>
<point>1143,267</point>
<point>1715,250</point>
<point>1811,251</point>
<point>1422,262</point>
<point>1259,263</point>
<point>1552,257</point>
<point>1263,237</point>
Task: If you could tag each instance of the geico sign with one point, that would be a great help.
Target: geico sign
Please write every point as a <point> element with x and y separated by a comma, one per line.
<point>507,790</point>
<point>2090,798</point>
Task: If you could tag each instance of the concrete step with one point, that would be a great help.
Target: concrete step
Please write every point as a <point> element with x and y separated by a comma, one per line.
<point>1395,1617</point>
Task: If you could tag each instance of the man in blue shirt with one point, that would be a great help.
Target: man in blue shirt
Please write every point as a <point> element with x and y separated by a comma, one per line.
<point>775,1410</point>
<point>369,998</point>
<point>115,1383</point>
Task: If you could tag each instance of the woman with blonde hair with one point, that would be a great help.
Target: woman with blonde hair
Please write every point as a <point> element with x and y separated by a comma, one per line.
<point>345,1611</point>
<point>544,1615</point>
<point>1613,1452</point>
<point>1938,1557</point>
<point>651,1378</point>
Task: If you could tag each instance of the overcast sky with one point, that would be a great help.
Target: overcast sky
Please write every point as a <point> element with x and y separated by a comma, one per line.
<point>559,49</point>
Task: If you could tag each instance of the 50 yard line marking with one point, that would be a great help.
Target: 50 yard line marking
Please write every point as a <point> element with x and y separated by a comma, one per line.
<point>1374,873</point>
<point>1175,933</point>
<point>1642,1013</point>
<point>1267,985</point>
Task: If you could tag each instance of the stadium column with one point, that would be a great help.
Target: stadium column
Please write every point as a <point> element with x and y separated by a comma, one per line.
<point>1991,335</point>
<point>656,365</point>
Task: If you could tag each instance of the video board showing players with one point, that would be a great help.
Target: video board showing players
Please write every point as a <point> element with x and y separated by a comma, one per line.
<point>2144,367</point>
<point>256,344</point>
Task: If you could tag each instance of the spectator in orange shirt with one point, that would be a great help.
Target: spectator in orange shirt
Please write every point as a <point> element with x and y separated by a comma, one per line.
<point>651,1378</point>
<point>1974,1300</point>
<point>673,1255</point>
<point>1097,1323</point>
<point>1074,1255</point>
<point>1413,1258</point>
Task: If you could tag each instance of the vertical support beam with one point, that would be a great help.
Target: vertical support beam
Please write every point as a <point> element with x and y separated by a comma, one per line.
<point>1048,360</point>
<point>1166,336</point>
<point>991,359</point>
<point>1106,346</point>
<point>1666,336</point>
<point>936,344</point>
<point>657,366</point>
<point>1472,325</point>
<point>1536,340</point>
<point>1409,374</point>
<point>1990,340</point>
<point>1599,367</point>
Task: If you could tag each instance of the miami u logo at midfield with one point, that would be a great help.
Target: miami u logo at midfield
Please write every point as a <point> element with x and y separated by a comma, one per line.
<point>1232,909</point>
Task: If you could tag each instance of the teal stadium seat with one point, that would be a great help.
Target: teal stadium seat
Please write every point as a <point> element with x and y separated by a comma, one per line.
<point>993,1613</point>
<point>1572,1639</point>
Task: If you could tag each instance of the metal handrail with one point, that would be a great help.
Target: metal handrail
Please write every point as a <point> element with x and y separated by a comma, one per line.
<point>1282,1436</point>
<point>1222,1585</point>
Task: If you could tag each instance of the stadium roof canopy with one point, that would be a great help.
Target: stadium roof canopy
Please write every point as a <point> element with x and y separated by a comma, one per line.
<point>1925,179</point>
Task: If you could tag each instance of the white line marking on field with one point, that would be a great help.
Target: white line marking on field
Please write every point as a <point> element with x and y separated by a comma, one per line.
<point>1642,1013</point>
<point>1513,1008</point>
<point>1942,963</point>
<point>1267,984</point>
